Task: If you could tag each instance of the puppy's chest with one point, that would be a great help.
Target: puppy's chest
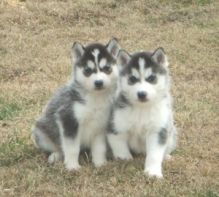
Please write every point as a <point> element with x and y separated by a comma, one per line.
<point>132,121</point>
<point>93,113</point>
<point>138,121</point>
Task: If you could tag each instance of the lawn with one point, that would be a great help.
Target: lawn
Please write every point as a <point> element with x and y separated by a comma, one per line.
<point>35,41</point>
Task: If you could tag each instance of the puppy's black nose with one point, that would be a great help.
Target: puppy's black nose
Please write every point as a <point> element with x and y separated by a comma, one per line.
<point>142,96</point>
<point>98,84</point>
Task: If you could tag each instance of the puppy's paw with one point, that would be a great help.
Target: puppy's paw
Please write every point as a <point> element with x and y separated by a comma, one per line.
<point>54,157</point>
<point>154,173</point>
<point>99,163</point>
<point>72,166</point>
<point>127,156</point>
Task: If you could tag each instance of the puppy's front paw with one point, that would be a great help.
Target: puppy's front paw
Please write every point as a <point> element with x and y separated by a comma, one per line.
<point>99,163</point>
<point>72,166</point>
<point>127,156</point>
<point>153,173</point>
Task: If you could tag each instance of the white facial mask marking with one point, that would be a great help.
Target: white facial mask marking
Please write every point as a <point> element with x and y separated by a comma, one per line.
<point>141,63</point>
<point>148,72</point>
<point>135,73</point>
<point>90,64</point>
<point>102,62</point>
<point>96,53</point>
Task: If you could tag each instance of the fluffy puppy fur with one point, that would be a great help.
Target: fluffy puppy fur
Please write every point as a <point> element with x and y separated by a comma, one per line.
<point>77,115</point>
<point>141,117</point>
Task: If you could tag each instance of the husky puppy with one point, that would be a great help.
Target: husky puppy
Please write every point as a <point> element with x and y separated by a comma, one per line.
<point>141,117</point>
<point>77,114</point>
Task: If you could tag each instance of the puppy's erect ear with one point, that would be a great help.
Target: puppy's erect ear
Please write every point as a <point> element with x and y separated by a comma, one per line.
<point>123,58</point>
<point>113,47</point>
<point>159,57</point>
<point>76,52</point>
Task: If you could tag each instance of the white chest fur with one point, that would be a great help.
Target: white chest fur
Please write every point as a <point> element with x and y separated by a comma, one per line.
<point>137,121</point>
<point>92,117</point>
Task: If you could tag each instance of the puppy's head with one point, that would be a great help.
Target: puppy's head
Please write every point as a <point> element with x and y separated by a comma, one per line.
<point>143,75</point>
<point>95,65</point>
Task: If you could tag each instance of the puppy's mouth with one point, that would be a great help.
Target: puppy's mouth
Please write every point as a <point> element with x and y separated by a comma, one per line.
<point>142,100</point>
<point>99,88</point>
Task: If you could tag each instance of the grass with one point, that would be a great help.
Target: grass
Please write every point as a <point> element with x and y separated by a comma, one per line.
<point>35,41</point>
<point>8,110</point>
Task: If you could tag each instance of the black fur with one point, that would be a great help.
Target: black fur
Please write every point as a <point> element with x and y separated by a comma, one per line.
<point>82,62</point>
<point>162,136</point>
<point>121,101</point>
<point>110,125</point>
<point>60,102</point>
<point>68,121</point>
<point>133,63</point>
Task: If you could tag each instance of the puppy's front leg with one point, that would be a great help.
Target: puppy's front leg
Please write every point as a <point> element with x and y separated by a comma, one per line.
<point>70,139</point>
<point>71,150</point>
<point>119,145</point>
<point>155,149</point>
<point>98,150</point>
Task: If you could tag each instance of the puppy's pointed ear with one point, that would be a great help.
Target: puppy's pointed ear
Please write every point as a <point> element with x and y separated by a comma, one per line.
<point>77,51</point>
<point>123,58</point>
<point>113,47</point>
<point>160,57</point>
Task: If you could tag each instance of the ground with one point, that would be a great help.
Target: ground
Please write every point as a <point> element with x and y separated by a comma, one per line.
<point>35,42</point>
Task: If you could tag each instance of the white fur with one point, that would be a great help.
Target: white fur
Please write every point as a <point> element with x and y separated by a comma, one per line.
<point>90,64</point>
<point>135,73</point>
<point>89,82</point>
<point>119,146</point>
<point>54,157</point>
<point>44,142</point>
<point>70,148</point>
<point>147,73</point>
<point>92,118</point>
<point>154,91</point>
<point>138,125</point>
<point>138,129</point>
<point>96,53</point>
<point>142,65</point>
<point>98,149</point>
<point>102,62</point>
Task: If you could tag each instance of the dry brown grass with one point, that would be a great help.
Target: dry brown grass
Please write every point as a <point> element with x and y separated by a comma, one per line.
<point>35,38</point>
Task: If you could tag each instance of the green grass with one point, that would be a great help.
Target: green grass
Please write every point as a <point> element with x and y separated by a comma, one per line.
<point>209,193</point>
<point>8,110</point>
<point>15,150</point>
<point>204,2</point>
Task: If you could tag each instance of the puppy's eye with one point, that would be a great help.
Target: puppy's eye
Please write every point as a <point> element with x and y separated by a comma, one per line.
<point>132,79</point>
<point>87,71</point>
<point>152,79</point>
<point>107,69</point>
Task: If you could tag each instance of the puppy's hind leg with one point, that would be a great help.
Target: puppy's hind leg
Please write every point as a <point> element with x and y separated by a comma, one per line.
<point>42,141</point>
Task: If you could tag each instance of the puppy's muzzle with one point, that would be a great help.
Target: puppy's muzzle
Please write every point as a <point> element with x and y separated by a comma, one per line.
<point>98,84</point>
<point>142,96</point>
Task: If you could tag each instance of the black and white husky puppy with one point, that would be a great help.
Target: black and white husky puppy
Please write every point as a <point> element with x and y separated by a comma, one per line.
<point>77,115</point>
<point>141,118</point>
